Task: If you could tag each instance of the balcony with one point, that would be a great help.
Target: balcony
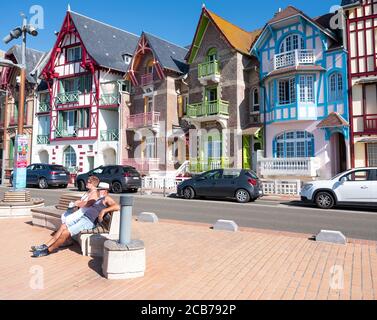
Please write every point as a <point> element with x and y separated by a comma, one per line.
<point>294,58</point>
<point>146,79</point>
<point>68,97</point>
<point>44,107</point>
<point>370,123</point>
<point>297,167</point>
<point>110,135</point>
<point>209,71</point>
<point>143,165</point>
<point>43,139</point>
<point>143,120</point>
<point>208,109</point>
<point>202,165</point>
<point>65,133</point>
<point>110,99</point>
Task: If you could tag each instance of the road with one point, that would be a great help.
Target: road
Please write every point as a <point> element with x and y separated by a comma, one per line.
<point>355,223</point>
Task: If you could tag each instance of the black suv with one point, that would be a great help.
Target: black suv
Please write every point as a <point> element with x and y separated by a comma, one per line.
<point>120,178</point>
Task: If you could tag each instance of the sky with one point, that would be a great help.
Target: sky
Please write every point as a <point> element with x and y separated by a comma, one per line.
<point>172,20</point>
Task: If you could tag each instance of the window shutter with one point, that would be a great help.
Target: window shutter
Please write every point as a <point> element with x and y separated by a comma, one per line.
<point>180,106</point>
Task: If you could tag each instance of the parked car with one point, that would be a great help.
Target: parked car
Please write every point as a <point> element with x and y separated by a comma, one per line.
<point>243,185</point>
<point>46,175</point>
<point>352,187</point>
<point>120,178</point>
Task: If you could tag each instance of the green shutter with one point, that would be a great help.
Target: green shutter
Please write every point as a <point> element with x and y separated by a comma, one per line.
<point>246,152</point>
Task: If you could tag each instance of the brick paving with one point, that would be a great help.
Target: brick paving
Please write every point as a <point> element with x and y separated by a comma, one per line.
<point>191,261</point>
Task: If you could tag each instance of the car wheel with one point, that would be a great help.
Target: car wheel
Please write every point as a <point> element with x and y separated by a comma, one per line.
<point>117,187</point>
<point>42,183</point>
<point>189,193</point>
<point>325,200</point>
<point>242,196</point>
<point>81,185</point>
<point>65,186</point>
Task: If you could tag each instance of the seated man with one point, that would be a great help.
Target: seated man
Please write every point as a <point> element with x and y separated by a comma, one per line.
<point>93,215</point>
<point>69,216</point>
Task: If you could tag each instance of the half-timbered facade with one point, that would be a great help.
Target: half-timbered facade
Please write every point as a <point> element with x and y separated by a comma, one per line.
<point>223,102</point>
<point>303,71</point>
<point>78,113</point>
<point>154,138</point>
<point>10,86</point>
<point>361,30</point>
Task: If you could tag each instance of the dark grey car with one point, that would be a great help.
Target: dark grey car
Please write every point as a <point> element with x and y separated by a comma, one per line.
<point>120,178</point>
<point>46,175</point>
<point>243,185</point>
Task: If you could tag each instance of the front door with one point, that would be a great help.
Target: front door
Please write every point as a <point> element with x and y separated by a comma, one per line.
<point>208,183</point>
<point>358,186</point>
<point>339,154</point>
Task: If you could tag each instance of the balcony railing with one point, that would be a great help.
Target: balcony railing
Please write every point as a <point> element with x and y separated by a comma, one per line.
<point>205,109</point>
<point>43,139</point>
<point>294,58</point>
<point>65,133</point>
<point>44,107</point>
<point>143,120</point>
<point>110,99</point>
<point>110,135</point>
<point>146,79</point>
<point>371,122</point>
<point>68,97</point>
<point>208,69</point>
<point>303,167</point>
<point>143,165</point>
<point>202,165</point>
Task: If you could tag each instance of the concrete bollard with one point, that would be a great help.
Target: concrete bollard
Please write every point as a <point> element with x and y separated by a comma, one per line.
<point>331,237</point>
<point>225,225</point>
<point>147,217</point>
<point>124,259</point>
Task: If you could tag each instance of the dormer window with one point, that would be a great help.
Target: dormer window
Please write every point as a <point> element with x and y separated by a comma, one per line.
<point>127,58</point>
<point>74,54</point>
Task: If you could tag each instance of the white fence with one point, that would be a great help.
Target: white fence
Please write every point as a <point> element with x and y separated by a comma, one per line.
<point>275,187</point>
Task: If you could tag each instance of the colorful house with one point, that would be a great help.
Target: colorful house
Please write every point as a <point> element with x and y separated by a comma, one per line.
<point>78,115</point>
<point>155,138</point>
<point>223,108</point>
<point>303,71</point>
<point>9,84</point>
<point>361,19</point>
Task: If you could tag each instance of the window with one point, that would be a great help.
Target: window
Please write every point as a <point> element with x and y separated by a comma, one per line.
<point>70,158</point>
<point>74,54</point>
<point>292,42</point>
<point>298,144</point>
<point>213,175</point>
<point>362,175</point>
<point>214,147</point>
<point>335,87</point>
<point>82,84</point>
<point>149,67</point>
<point>255,100</point>
<point>287,91</point>
<point>212,55</point>
<point>307,89</point>
<point>44,126</point>
<point>150,150</point>
<point>127,58</point>
<point>372,154</point>
<point>231,174</point>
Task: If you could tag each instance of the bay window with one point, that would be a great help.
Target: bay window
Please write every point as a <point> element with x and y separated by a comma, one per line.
<point>307,89</point>
<point>296,144</point>
<point>287,91</point>
<point>336,87</point>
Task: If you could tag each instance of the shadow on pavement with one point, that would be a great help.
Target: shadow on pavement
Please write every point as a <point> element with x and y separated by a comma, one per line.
<point>345,208</point>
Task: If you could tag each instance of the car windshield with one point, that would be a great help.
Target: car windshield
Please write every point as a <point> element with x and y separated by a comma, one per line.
<point>252,175</point>
<point>339,175</point>
<point>132,171</point>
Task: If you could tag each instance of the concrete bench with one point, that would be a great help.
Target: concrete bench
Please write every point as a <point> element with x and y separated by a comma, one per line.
<point>90,241</point>
<point>50,217</point>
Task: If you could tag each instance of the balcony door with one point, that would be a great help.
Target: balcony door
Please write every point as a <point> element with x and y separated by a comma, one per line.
<point>211,94</point>
<point>68,119</point>
<point>292,42</point>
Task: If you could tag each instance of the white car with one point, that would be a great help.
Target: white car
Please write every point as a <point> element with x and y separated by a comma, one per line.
<point>353,187</point>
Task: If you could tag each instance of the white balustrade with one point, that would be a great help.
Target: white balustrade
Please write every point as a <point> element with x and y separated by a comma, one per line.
<point>294,58</point>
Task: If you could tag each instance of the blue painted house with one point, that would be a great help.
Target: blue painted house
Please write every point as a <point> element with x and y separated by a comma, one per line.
<point>303,71</point>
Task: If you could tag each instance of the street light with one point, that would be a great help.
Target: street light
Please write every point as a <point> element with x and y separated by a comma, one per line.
<point>21,147</point>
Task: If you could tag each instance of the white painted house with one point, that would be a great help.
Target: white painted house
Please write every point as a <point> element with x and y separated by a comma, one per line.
<point>79,102</point>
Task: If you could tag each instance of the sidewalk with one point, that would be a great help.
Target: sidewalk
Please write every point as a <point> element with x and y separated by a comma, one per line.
<point>191,261</point>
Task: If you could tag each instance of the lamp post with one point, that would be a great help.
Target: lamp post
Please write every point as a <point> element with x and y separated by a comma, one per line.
<point>21,142</point>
